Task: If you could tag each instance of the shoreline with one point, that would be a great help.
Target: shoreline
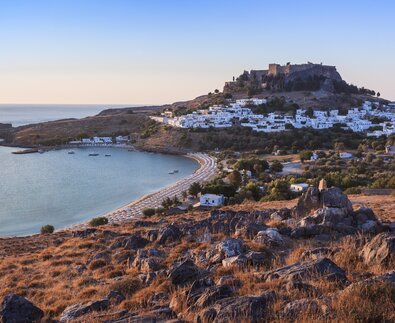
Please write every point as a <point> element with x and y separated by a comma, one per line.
<point>207,168</point>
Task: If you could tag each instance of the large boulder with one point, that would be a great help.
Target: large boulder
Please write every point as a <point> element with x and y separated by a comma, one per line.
<point>17,309</point>
<point>73,311</point>
<point>183,272</point>
<point>237,261</point>
<point>169,234</point>
<point>334,198</point>
<point>252,309</point>
<point>230,247</point>
<point>314,199</point>
<point>310,200</point>
<point>212,294</point>
<point>317,269</point>
<point>305,306</point>
<point>380,250</point>
<point>269,237</point>
<point>134,242</point>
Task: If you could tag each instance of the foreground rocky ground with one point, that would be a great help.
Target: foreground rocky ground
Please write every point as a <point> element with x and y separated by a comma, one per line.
<point>316,259</point>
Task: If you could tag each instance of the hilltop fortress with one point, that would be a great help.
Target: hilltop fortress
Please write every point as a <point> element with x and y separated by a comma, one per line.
<point>278,76</point>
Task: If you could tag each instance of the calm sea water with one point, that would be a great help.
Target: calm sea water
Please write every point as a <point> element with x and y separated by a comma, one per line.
<point>22,114</point>
<point>61,189</point>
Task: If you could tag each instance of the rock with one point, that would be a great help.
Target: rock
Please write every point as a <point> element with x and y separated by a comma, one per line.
<point>380,250</point>
<point>317,253</point>
<point>104,255</point>
<point>252,309</point>
<point>134,242</point>
<point>213,294</point>
<point>229,280</point>
<point>334,198</point>
<point>314,199</point>
<point>306,306</point>
<point>17,309</point>
<point>316,269</point>
<point>146,263</point>
<point>298,286</point>
<point>371,226</point>
<point>80,268</point>
<point>258,259</point>
<point>115,296</point>
<point>163,312</point>
<point>270,237</point>
<point>250,230</point>
<point>169,234</point>
<point>309,201</point>
<point>84,233</point>
<point>230,247</point>
<point>183,273</point>
<point>238,261</point>
<point>77,310</point>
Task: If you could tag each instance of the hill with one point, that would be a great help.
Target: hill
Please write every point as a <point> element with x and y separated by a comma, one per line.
<point>252,262</point>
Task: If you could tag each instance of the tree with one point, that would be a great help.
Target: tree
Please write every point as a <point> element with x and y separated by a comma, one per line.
<point>235,178</point>
<point>101,220</point>
<point>46,229</point>
<point>276,166</point>
<point>184,195</point>
<point>305,155</point>
<point>195,189</point>
<point>216,91</point>
<point>378,94</point>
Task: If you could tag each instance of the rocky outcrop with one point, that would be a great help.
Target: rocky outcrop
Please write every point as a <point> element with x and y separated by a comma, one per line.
<point>77,310</point>
<point>169,234</point>
<point>183,273</point>
<point>252,309</point>
<point>380,250</point>
<point>17,309</point>
<point>318,269</point>
<point>230,247</point>
<point>330,212</point>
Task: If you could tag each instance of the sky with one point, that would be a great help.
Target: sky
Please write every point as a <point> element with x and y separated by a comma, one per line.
<point>157,52</point>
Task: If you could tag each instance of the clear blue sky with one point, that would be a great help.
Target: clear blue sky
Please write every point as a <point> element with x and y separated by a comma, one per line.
<point>119,51</point>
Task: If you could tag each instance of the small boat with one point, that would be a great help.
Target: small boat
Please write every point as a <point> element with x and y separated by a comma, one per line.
<point>171,173</point>
<point>107,155</point>
<point>26,151</point>
<point>175,171</point>
<point>93,154</point>
<point>71,152</point>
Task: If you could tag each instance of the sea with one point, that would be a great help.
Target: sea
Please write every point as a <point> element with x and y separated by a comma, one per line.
<point>63,189</point>
<point>23,114</point>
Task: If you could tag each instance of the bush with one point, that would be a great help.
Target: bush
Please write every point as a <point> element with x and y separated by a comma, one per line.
<point>101,220</point>
<point>353,190</point>
<point>149,212</point>
<point>46,229</point>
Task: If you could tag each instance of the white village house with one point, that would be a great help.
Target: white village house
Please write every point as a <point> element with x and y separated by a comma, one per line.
<point>211,200</point>
<point>224,116</point>
<point>300,187</point>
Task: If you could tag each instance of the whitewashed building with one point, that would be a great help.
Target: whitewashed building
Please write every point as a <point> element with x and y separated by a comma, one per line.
<point>212,200</point>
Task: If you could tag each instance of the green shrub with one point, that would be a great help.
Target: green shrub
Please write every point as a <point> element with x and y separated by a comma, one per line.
<point>101,220</point>
<point>149,212</point>
<point>46,229</point>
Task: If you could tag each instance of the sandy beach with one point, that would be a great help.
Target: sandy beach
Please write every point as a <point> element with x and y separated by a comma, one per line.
<point>207,168</point>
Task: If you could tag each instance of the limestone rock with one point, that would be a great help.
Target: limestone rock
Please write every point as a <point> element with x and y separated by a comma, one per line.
<point>17,309</point>
<point>169,234</point>
<point>230,247</point>
<point>77,310</point>
<point>270,237</point>
<point>252,309</point>
<point>380,250</point>
<point>184,272</point>
<point>317,269</point>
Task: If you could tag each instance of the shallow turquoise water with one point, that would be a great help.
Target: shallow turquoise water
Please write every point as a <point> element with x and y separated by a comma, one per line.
<point>61,189</point>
